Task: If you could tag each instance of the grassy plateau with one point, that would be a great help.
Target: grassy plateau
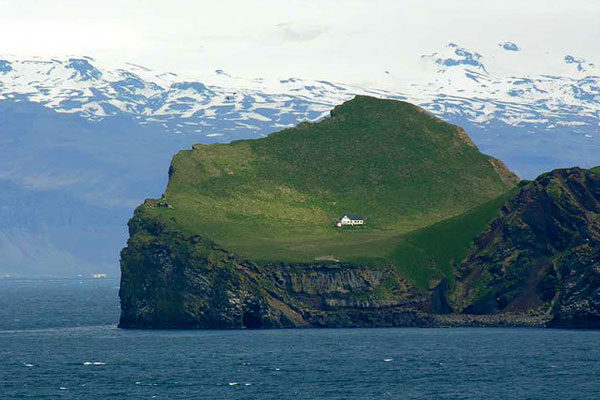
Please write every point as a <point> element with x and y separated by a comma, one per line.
<point>424,189</point>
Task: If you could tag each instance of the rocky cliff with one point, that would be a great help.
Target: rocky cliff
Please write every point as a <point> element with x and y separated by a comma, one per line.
<point>542,253</point>
<point>537,264</point>
<point>170,281</point>
<point>244,235</point>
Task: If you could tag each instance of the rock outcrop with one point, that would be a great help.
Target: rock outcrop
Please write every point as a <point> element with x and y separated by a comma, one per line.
<point>542,253</point>
<point>169,281</point>
<point>537,264</point>
<point>490,251</point>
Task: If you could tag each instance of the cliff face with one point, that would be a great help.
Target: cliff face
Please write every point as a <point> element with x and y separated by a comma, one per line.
<point>537,264</point>
<point>542,253</point>
<point>449,239</point>
<point>170,281</point>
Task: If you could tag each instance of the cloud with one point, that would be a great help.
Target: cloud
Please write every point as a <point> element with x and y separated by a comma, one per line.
<point>297,33</point>
<point>345,41</point>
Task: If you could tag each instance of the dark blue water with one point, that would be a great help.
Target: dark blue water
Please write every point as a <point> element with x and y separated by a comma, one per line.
<point>58,340</point>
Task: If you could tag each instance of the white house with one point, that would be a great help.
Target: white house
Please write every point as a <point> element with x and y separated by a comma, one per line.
<point>351,220</point>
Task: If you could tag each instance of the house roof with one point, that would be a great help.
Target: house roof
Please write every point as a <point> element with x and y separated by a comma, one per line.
<point>352,216</point>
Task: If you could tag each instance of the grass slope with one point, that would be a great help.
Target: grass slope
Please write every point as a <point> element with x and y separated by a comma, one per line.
<point>276,198</point>
<point>428,254</point>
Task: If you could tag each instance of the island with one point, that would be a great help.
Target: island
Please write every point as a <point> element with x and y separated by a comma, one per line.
<point>246,233</point>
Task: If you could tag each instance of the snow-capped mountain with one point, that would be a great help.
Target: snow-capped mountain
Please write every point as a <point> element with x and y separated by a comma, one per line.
<point>486,93</point>
<point>457,82</point>
<point>225,106</point>
<point>82,144</point>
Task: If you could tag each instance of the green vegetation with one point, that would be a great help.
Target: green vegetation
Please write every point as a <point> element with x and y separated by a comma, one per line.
<point>429,253</point>
<point>412,176</point>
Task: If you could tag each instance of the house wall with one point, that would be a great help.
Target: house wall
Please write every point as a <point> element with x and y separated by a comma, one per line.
<point>348,221</point>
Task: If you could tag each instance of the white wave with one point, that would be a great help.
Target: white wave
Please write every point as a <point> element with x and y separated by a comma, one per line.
<point>94,363</point>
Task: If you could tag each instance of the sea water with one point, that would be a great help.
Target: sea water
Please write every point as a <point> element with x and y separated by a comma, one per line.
<point>58,339</point>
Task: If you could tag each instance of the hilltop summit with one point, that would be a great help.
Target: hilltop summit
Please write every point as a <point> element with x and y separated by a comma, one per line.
<point>277,198</point>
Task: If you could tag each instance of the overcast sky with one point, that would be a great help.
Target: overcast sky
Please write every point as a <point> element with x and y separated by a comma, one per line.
<point>343,41</point>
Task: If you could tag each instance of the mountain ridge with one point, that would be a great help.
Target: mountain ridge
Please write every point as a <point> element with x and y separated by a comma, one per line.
<point>457,82</point>
<point>51,119</point>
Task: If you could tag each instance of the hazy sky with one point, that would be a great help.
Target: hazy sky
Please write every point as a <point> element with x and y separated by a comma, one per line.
<point>346,40</point>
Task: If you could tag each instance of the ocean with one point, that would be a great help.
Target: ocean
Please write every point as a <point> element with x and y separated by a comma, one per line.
<point>59,340</point>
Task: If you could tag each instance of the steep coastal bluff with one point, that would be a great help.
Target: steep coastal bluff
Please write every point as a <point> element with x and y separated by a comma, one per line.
<point>245,236</point>
<point>542,253</point>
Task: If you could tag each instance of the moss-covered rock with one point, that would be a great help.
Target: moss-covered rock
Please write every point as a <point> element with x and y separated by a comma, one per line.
<point>542,253</point>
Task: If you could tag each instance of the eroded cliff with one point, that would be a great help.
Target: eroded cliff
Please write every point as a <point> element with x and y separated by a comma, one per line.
<point>172,281</point>
<point>244,235</point>
<point>537,264</point>
<point>541,253</point>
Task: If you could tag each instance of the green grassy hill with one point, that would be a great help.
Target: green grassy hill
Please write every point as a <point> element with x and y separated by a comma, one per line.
<point>417,180</point>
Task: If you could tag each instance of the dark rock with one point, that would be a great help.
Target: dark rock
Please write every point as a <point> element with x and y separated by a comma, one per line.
<point>169,281</point>
<point>537,264</point>
<point>542,253</point>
